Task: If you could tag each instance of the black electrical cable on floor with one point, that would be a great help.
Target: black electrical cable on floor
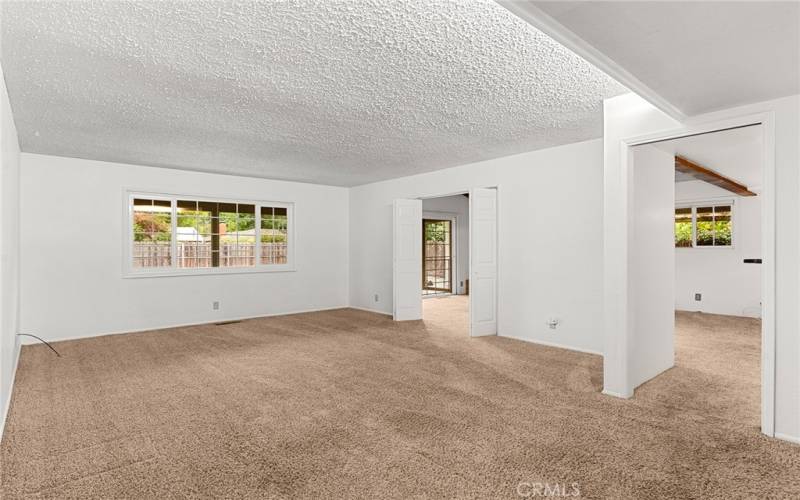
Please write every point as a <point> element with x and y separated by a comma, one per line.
<point>41,340</point>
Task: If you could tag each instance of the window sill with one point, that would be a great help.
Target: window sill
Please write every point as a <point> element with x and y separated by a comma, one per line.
<point>166,273</point>
<point>686,249</point>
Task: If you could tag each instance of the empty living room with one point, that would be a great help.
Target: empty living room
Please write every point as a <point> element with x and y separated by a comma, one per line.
<point>399,249</point>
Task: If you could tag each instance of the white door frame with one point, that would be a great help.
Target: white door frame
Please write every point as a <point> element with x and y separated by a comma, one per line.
<point>617,298</point>
<point>497,242</point>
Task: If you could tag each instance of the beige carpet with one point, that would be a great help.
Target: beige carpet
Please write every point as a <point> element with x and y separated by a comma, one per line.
<point>346,404</point>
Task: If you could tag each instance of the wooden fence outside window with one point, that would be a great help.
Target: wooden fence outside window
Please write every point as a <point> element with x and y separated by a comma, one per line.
<point>199,254</point>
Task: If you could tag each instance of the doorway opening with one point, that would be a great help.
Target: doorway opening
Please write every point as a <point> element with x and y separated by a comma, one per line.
<point>718,235</point>
<point>702,224</point>
<point>465,269</point>
<point>445,261</point>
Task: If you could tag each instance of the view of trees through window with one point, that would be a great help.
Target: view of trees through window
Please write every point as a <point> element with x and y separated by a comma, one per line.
<point>683,227</point>
<point>274,230</point>
<point>207,234</point>
<point>213,234</point>
<point>713,226</point>
<point>704,226</point>
<point>152,233</point>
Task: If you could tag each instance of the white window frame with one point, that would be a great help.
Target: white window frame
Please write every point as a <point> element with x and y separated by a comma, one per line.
<point>694,205</point>
<point>129,271</point>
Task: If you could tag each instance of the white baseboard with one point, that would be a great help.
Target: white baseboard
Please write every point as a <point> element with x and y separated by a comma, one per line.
<point>553,344</point>
<point>29,341</point>
<point>7,402</point>
<point>786,437</point>
<point>617,394</point>
<point>367,309</point>
<point>479,335</point>
<point>730,314</point>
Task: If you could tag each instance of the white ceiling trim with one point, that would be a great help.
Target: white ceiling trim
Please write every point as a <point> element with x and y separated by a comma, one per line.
<point>545,23</point>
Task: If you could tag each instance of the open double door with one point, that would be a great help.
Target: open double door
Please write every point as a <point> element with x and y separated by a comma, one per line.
<point>407,263</point>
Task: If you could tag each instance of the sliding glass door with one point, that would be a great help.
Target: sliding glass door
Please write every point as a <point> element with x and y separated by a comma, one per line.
<point>437,256</point>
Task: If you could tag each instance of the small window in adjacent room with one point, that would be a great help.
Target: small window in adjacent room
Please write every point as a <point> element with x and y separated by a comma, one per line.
<point>704,225</point>
<point>683,227</point>
<point>713,226</point>
<point>182,235</point>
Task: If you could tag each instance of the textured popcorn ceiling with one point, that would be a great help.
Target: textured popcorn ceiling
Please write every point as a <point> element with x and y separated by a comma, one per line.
<point>334,92</point>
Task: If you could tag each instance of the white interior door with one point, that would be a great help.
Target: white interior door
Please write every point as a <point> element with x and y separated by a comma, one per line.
<point>483,261</point>
<point>651,264</point>
<point>407,260</point>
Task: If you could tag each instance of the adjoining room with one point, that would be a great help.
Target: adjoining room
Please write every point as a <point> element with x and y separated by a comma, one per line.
<point>717,281</point>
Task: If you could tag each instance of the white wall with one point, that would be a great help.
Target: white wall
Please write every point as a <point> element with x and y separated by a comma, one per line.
<point>550,220</point>
<point>728,286</point>
<point>652,283</point>
<point>9,250</point>
<point>457,205</point>
<point>73,237</point>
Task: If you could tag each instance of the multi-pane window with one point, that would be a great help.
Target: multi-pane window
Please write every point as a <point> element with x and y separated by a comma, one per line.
<point>187,234</point>
<point>274,234</point>
<point>704,225</point>
<point>152,233</point>
<point>437,256</point>
<point>713,225</point>
<point>684,227</point>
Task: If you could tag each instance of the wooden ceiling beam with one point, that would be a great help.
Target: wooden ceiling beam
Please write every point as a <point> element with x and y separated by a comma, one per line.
<point>701,173</point>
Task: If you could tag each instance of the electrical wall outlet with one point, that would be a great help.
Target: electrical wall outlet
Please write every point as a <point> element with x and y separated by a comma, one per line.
<point>698,297</point>
<point>553,323</point>
<point>377,297</point>
<point>215,305</point>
